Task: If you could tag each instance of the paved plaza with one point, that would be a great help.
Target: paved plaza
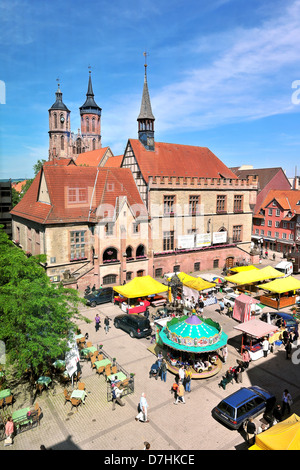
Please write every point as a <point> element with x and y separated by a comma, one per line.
<point>94,426</point>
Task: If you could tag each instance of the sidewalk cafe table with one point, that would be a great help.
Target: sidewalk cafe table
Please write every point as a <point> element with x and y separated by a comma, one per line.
<point>44,381</point>
<point>118,376</point>
<point>59,364</point>
<point>102,363</point>
<point>79,394</point>
<point>20,417</point>
<point>86,351</point>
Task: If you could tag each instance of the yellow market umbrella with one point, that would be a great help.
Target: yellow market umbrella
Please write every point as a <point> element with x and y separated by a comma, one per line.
<point>141,287</point>
<point>279,286</point>
<point>254,275</point>
<point>283,436</point>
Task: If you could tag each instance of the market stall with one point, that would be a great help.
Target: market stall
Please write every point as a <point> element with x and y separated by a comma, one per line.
<point>282,292</point>
<point>192,287</point>
<point>240,269</point>
<point>254,331</point>
<point>243,307</point>
<point>193,341</point>
<point>135,293</point>
<point>251,280</point>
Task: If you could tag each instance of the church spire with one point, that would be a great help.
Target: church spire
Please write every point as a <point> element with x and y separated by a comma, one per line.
<point>146,118</point>
<point>90,106</point>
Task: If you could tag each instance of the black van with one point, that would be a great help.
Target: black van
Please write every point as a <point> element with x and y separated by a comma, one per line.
<point>137,326</point>
<point>99,296</point>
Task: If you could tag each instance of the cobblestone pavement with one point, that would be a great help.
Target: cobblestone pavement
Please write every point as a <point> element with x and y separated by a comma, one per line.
<point>94,426</point>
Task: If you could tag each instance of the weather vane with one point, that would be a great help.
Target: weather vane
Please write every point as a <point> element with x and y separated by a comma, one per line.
<point>145,55</point>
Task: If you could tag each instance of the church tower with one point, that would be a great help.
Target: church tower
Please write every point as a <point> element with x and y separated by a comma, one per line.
<point>146,118</point>
<point>59,128</point>
<point>90,114</point>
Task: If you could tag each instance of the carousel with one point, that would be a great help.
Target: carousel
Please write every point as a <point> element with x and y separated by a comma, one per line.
<point>192,341</point>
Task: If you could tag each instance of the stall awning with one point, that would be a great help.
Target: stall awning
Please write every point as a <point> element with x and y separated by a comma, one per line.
<point>196,283</point>
<point>256,328</point>
<point>255,275</point>
<point>239,269</point>
<point>283,436</point>
<point>279,286</point>
<point>141,287</point>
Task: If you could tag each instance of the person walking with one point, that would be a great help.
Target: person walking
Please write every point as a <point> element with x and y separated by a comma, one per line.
<point>188,379</point>
<point>180,394</point>
<point>9,431</point>
<point>225,353</point>
<point>116,396</point>
<point>97,322</point>
<point>221,305</point>
<point>251,431</point>
<point>288,349</point>
<point>143,410</point>
<point>265,346</point>
<point>286,402</point>
<point>106,324</point>
<point>163,370</point>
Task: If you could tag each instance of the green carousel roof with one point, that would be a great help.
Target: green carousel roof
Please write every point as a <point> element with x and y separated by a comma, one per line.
<point>193,334</point>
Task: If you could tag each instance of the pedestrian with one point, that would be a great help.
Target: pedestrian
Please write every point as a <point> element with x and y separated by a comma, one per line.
<point>180,394</point>
<point>288,349</point>
<point>188,380</point>
<point>143,410</point>
<point>246,358</point>
<point>9,431</point>
<point>106,324</point>
<point>201,306</point>
<point>239,374</point>
<point>181,373</point>
<point>251,431</point>
<point>286,402</point>
<point>146,445</point>
<point>221,305</point>
<point>97,322</point>
<point>163,370</point>
<point>116,396</point>
<point>174,390</point>
<point>265,346</point>
<point>277,414</point>
<point>225,353</point>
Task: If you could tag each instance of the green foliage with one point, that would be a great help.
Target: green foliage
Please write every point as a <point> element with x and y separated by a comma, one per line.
<point>35,315</point>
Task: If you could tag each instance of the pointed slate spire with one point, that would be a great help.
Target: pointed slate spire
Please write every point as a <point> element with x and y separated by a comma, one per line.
<point>146,118</point>
<point>90,106</point>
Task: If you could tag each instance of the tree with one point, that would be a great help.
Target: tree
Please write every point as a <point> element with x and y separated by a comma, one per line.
<point>36,317</point>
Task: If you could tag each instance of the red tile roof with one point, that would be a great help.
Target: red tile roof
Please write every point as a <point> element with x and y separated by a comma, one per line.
<point>179,160</point>
<point>77,193</point>
<point>287,199</point>
<point>114,162</point>
<point>18,185</point>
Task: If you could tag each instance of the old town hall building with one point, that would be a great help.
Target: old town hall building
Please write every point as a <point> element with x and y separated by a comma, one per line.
<point>104,219</point>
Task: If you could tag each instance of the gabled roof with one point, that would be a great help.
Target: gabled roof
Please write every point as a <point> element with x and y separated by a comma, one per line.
<point>178,160</point>
<point>264,175</point>
<point>114,162</point>
<point>289,200</point>
<point>92,158</point>
<point>76,194</point>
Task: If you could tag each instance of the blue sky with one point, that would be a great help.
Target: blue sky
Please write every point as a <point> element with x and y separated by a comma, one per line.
<point>220,75</point>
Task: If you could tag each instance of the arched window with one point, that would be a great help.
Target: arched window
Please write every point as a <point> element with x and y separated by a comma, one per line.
<point>140,251</point>
<point>62,145</point>
<point>55,120</point>
<point>62,120</point>
<point>140,273</point>
<point>110,255</point>
<point>109,279</point>
<point>128,252</point>
<point>93,125</point>
<point>87,125</point>
<point>78,145</point>
<point>94,144</point>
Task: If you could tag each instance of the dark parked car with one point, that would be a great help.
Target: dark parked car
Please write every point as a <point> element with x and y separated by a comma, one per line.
<point>244,404</point>
<point>137,326</point>
<point>99,296</point>
<point>277,317</point>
